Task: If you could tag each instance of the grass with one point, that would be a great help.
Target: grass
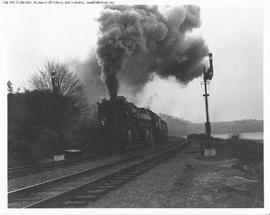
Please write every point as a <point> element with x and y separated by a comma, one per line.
<point>248,152</point>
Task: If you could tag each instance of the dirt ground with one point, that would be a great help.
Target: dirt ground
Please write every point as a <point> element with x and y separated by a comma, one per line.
<point>189,180</point>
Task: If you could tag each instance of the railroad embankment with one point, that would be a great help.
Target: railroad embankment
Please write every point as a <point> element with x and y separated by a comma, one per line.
<point>232,179</point>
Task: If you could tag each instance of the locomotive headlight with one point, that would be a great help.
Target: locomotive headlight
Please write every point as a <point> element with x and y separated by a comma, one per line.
<point>103,121</point>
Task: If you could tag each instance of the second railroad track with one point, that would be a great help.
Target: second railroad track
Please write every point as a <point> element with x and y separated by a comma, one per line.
<point>77,190</point>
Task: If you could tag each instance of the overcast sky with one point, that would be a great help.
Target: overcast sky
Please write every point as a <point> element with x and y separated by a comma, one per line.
<point>233,34</point>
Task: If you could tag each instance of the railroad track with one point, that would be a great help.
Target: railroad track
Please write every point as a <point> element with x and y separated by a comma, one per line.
<point>76,190</point>
<point>25,170</point>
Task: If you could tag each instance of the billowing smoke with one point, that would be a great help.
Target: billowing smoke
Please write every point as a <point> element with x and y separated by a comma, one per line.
<point>136,41</point>
<point>89,73</point>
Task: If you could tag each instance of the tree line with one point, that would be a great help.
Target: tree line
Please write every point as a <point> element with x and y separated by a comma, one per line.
<point>180,127</point>
<point>50,116</point>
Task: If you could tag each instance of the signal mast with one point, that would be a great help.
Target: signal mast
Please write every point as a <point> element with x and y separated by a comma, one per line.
<point>207,76</point>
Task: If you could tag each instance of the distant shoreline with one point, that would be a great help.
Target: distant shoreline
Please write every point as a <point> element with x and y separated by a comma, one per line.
<point>243,135</point>
<point>181,127</point>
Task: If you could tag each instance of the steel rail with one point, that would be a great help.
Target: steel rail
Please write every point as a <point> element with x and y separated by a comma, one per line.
<point>23,193</point>
<point>79,196</point>
<point>24,170</point>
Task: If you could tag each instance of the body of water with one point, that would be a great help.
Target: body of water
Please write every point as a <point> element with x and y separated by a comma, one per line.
<point>244,135</point>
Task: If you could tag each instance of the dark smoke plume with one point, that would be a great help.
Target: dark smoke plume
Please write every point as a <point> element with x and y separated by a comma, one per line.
<point>89,73</point>
<point>135,41</point>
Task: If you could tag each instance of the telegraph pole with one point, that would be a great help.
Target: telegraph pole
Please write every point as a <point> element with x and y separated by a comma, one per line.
<point>207,76</point>
<point>55,91</point>
<point>57,103</point>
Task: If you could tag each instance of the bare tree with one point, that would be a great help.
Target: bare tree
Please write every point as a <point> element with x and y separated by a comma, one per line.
<point>56,77</point>
<point>63,93</point>
<point>10,87</point>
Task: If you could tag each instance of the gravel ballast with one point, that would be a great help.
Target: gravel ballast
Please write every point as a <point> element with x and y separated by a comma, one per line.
<point>187,181</point>
<point>152,189</point>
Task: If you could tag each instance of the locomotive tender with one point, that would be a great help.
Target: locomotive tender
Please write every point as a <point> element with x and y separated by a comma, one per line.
<point>127,127</point>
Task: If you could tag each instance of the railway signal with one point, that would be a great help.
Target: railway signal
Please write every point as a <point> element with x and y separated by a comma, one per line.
<point>207,76</point>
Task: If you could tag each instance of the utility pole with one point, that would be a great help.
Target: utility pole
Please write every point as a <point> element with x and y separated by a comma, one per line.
<point>55,91</point>
<point>58,117</point>
<point>207,76</point>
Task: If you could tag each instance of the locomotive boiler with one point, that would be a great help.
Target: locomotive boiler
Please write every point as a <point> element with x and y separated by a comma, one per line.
<point>126,127</point>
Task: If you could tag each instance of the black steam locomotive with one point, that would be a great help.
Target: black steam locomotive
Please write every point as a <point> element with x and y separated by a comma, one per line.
<point>126,127</point>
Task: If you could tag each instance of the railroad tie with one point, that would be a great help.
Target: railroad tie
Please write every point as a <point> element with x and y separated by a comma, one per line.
<point>138,171</point>
<point>87,197</point>
<point>107,186</point>
<point>97,191</point>
<point>123,178</point>
<point>74,203</point>
<point>113,183</point>
<point>118,181</point>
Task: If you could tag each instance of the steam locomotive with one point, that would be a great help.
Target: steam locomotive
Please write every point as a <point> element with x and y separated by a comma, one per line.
<point>127,127</point>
